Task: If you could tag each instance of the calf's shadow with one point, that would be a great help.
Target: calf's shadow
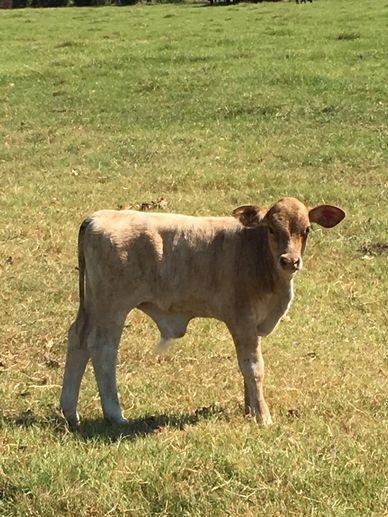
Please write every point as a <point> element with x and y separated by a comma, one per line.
<point>98,428</point>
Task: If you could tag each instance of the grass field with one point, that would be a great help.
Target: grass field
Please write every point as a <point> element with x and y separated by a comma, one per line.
<point>210,108</point>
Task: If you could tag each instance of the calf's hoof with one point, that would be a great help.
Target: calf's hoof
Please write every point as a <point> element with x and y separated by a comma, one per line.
<point>72,419</point>
<point>265,420</point>
<point>117,420</point>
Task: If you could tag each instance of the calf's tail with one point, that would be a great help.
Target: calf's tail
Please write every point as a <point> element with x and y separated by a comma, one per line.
<point>81,321</point>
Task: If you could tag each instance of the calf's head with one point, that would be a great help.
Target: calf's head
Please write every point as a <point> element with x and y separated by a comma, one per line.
<point>287,225</point>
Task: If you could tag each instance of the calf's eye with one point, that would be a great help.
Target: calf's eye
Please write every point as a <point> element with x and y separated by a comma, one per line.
<point>270,230</point>
<point>307,231</point>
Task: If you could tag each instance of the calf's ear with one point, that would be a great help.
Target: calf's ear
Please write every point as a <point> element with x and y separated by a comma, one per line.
<point>326,215</point>
<point>249,215</point>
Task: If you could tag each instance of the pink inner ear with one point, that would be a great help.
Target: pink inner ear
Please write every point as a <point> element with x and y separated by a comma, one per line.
<point>326,215</point>
<point>330,213</point>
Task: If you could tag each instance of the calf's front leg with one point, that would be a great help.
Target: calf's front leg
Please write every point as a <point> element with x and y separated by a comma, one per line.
<point>251,363</point>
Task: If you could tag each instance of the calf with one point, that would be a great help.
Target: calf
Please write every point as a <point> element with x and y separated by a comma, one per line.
<point>174,268</point>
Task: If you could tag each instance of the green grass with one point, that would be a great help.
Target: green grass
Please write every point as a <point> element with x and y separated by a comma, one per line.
<point>210,108</point>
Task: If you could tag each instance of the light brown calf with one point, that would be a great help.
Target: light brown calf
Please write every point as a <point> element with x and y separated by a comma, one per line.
<point>174,268</point>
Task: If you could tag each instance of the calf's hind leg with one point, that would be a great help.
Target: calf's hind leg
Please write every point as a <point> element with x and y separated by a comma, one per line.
<point>76,360</point>
<point>103,342</point>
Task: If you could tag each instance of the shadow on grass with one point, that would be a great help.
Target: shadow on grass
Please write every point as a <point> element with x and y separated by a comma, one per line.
<point>104,431</point>
<point>143,426</point>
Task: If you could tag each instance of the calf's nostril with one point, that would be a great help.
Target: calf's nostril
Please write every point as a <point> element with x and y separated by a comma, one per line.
<point>289,263</point>
<point>284,261</point>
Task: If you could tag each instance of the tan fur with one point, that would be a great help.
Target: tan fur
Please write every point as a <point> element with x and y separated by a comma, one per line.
<point>174,268</point>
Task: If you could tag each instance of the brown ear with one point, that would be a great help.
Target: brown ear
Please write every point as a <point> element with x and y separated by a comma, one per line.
<point>326,215</point>
<point>249,215</point>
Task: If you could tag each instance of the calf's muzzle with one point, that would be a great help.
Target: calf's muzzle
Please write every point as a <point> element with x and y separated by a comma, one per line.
<point>288,263</point>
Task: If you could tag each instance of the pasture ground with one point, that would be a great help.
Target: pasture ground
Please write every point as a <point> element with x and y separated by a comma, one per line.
<point>209,108</point>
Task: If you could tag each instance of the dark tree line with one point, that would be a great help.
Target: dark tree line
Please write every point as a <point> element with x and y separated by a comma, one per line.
<point>16,4</point>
